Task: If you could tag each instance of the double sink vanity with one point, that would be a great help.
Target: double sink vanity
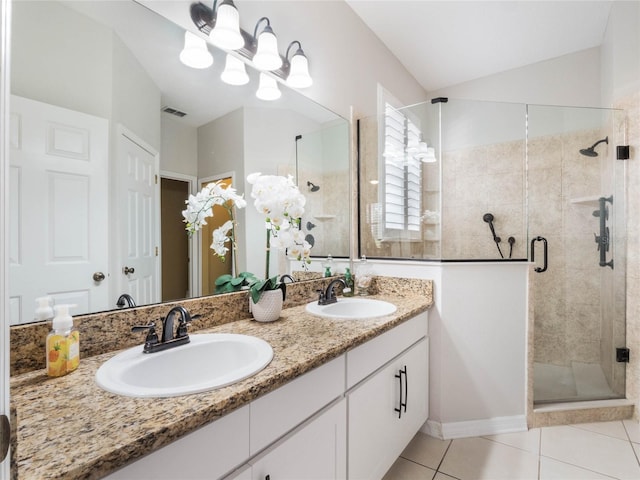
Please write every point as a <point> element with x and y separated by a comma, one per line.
<point>332,391</point>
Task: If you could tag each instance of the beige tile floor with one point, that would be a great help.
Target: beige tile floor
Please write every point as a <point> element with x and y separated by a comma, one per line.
<point>586,451</point>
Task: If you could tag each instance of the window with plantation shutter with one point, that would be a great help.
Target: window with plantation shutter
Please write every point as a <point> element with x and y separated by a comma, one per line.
<point>402,188</point>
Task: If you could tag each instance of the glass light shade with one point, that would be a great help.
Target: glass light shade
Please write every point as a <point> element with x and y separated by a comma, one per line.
<point>268,88</point>
<point>299,72</point>
<point>234,71</point>
<point>226,32</point>
<point>195,53</point>
<point>267,56</point>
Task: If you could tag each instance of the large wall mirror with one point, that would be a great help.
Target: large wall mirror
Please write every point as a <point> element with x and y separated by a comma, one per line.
<point>102,161</point>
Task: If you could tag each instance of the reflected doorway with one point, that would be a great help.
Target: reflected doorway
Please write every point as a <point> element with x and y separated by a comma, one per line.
<point>175,241</point>
<point>212,266</point>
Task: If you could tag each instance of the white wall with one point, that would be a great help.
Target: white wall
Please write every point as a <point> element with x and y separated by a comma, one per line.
<point>621,52</point>
<point>78,75</point>
<point>572,79</point>
<point>179,151</point>
<point>346,59</point>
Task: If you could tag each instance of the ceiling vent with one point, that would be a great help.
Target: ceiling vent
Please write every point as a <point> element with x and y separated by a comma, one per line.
<point>173,111</point>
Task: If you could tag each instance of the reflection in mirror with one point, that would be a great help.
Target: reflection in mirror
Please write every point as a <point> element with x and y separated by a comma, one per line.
<point>101,158</point>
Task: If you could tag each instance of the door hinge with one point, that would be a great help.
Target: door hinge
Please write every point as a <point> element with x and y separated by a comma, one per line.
<point>5,436</point>
<point>156,179</point>
<point>622,355</point>
<point>156,251</point>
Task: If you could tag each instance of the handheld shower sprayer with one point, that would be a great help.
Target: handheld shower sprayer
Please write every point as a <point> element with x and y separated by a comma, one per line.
<point>488,217</point>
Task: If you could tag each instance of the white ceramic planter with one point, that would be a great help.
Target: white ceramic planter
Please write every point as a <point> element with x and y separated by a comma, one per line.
<point>268,307</point>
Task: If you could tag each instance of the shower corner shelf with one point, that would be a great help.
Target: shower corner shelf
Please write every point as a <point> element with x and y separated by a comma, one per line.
<point>591,200</point>
<point>323,217</point>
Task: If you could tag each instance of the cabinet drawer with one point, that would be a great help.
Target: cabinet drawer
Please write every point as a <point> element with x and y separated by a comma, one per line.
<point>367,358</point>
<point>208,452</point>
<point>281,410</point>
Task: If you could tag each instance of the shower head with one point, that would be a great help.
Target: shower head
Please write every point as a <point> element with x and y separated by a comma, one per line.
<point>312,187</point>
<point>590,152</point>
<point>487,217</point>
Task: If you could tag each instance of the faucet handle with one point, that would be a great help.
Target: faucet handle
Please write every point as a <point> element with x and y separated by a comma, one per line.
<point>183,323</point>
<point>152,336</point>
<point>321,298</point>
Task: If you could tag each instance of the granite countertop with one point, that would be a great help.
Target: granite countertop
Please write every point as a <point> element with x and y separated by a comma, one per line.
<point>70,428</point>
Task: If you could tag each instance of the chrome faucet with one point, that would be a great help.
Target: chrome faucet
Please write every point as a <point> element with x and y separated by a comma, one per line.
<point>125,297</point>
<point>328,296</point>
<point>168,340</point>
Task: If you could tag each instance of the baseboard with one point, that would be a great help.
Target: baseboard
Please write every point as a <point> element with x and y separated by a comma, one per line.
<point>475,428</point>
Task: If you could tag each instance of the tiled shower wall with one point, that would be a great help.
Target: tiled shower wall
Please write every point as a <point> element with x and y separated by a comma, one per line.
<point>476,181</point>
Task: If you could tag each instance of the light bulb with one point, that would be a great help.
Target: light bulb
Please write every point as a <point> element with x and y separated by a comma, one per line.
<point>267,56</point>
<point>268,88</point>
<point>195,53</point>
<point>226,31</point>
<point>299,72</point>
<point>234,71</point>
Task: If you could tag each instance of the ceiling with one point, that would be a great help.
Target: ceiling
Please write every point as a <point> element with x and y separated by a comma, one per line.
<point>445,43</point>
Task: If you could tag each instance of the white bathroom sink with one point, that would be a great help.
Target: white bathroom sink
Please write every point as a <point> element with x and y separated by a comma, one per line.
<point>208,362</point>
<point>352,308</point>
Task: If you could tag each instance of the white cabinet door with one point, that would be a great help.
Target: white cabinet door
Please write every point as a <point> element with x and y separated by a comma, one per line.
<point>385,411</point>
<point>315,450</point>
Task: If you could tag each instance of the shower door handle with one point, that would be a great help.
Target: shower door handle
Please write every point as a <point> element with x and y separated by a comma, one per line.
<point>545,253</point>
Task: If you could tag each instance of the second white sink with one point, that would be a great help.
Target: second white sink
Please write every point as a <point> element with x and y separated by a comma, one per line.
<point>208,362</point>
<point>352,308</point>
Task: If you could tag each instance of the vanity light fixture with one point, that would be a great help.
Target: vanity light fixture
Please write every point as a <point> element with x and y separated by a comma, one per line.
<point>234,72</point>
<point>298,68</point>
<point>221,25</point>
<point>226,27</point>
<point>266,56</point>
<point>268,88</point>
<point>195,53</point>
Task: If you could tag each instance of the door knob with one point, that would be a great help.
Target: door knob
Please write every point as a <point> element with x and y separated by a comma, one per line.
<point>128,270</point>
<point>98,277</point>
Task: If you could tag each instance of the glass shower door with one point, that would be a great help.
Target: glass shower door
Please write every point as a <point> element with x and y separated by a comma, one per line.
<point>576,205</point>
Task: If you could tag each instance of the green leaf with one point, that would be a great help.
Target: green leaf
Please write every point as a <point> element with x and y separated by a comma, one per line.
<point>222,279</point>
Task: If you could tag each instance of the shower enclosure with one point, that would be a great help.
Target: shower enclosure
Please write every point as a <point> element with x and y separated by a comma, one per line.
<point>576,201</point>
<point>512,182</point>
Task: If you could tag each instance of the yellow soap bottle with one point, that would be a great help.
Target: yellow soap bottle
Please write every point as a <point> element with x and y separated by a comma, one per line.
<point>63,344</point>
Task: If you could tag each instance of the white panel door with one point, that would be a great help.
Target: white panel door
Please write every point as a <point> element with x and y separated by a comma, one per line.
<point>138,191</point>
<point>59,208</point>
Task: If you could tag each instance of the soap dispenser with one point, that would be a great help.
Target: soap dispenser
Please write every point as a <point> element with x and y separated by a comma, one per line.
<point>348,280</point>
<point>44,311</point>
<point>364,277</point>
<point>328,264</point>
<point>63,343</point>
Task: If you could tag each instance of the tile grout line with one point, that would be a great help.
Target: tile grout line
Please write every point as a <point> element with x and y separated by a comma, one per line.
<point>442,459</point>
<point>631,443</point>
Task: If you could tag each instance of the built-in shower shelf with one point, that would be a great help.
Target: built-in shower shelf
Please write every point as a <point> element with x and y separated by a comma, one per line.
<point>591,200</point>
<point>324,217</point>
